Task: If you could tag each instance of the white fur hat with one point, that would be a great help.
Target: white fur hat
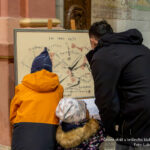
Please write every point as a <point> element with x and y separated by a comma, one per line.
<point>71,110</point>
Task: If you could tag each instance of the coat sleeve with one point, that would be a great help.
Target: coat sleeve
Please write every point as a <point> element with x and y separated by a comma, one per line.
<point>106,74</point>
<point>14,106</point>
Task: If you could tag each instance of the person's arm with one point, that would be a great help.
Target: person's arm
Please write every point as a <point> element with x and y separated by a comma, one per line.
<point>14,106</point>
<point>106,75</point>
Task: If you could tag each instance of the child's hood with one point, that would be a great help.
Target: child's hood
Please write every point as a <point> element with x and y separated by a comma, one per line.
<point>76,136</point>
<point>41,81</point>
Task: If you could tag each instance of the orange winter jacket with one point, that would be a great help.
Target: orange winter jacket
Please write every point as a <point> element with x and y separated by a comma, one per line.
<point>36,98</point>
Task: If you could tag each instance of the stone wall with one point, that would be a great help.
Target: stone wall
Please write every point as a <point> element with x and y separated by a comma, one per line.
<point>124,14</point>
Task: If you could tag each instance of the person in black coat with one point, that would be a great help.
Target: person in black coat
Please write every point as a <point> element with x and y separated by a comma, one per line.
<point>120,68</point>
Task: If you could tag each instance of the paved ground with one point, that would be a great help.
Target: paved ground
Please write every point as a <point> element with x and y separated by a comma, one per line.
<point>109,144</point>
<point>4,147</point>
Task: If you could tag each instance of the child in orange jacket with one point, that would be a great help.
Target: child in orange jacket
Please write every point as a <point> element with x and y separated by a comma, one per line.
<point>32,110</point>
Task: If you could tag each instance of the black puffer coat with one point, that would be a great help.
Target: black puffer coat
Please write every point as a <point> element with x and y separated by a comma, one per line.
<point>120,66</point>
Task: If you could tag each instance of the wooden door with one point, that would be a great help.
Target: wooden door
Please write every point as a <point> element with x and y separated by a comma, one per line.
<point>80,11</point>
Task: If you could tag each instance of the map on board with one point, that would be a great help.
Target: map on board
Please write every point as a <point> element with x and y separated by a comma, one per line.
<point>67,50</point>
<point>92,108</point>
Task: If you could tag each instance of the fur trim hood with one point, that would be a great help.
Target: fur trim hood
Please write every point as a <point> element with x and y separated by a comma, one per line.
<point>76,136</point>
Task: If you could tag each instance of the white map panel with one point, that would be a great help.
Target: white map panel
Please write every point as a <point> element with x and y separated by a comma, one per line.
<point>67,50</point>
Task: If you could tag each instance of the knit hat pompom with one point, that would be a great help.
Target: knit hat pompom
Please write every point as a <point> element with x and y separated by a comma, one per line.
<point>42,61</point>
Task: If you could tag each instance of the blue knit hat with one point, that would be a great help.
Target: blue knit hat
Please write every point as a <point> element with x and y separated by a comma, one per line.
<point>42,61</point>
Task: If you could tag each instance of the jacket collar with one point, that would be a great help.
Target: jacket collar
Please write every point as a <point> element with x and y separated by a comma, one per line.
<point>90,54</point>
<point>69,126</point>
<point>76,136</point>
<point>132,37</point>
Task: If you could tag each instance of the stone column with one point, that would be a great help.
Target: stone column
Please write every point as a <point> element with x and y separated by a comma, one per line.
<point>9,16</point>
<point>11,11</point>
<point>39,9</point>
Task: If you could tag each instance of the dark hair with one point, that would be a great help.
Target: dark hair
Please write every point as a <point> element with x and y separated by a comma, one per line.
<point>100,28</point>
